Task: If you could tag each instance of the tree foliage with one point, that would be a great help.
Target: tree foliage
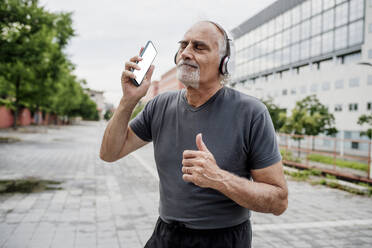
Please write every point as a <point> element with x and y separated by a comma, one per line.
<point>275,112</point>
<point>35,72</point>
<point>366,119</point>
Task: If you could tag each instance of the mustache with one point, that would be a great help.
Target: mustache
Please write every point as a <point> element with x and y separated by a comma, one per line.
<point>189,63</point>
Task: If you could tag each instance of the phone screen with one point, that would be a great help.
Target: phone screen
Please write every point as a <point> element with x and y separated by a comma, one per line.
<point>148,55</point>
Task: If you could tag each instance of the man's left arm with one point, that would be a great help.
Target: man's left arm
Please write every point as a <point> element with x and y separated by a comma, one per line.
<point>268,193</point>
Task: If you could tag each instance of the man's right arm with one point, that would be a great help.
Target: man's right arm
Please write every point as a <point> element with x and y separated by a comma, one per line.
<point>119,139</point>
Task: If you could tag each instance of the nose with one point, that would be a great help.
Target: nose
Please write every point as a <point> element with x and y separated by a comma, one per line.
<point>187,53</point>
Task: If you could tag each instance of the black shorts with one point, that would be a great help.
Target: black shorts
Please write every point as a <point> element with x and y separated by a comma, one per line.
<point>176,235</point>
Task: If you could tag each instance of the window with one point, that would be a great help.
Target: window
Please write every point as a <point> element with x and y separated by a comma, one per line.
<point>315,45</point>
<point>296,15</point>
<point>370,28</point>
<point>370,53</point>
<point>278,41</point>
<point>328,4</point>
<point>295,33</point>
<point>356,33</point>
<point>286,55</point>
<point>338,107</point>
<point>339,84</point>
<point>314,88</point>
<point>293,91</point>
<point>303,89</point>
<point>353,107</point>
<point>278,58</point>
<point>369,80</point>
<point>356,9</point>
<point>286,38</point>
<point>287,20</point>
<point>316,25</point>
<point>279,23</point>
<point>327,42</point>
<point>326,86</point>
<point>316,6</point>
<point>295,53</point>
<point>305,29</point>
<point>305,10</point>
<point>284,92</point>
<point>341,14</point>
<point>369,105</point>
<point>328,22</point>
<point>341,38</point>
<point>347,135</point>
<point>354,145</point>
<point>354,82</point>
<point>305,49</point>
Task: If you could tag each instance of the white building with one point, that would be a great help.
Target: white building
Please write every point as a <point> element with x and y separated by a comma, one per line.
<point>295,48</point>
<point>99,99</point>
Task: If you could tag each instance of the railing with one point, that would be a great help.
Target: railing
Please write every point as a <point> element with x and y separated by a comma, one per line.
<point>328,154</point>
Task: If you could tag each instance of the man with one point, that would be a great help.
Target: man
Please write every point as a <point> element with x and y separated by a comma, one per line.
<point>209,141</point>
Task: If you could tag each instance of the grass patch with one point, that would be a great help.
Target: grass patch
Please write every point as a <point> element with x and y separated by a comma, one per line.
<point>287,155</point>
<point>339,162</point>
<point>9,140</point>
<point>335,185</point>
<point>303,175</point>
<point>27,185</point>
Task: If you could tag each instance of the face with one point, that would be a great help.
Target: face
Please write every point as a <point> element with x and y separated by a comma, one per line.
<point>198,56</point>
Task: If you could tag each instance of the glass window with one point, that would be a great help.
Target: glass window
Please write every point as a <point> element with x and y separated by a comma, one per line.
<point>295,33</point>
<point>286,55</point>
<point>316,6</point>
<point>270,44</point>
<point>341,38</point>
<point>278,41</point>
<point>341,14</point>
<point>347,135</point>
<point>315,45</point>
<point>328,20</point>
<point>326,86</point>
<point>284,92</point>
<point>314,88</point>
<point>327,42</point>
<point>287,19</point>
<point>264,33</point>
<point>353,107</point>
<point>316,25</point>
<point>271,27</point>
<point>369,105</point>
<point>370,28</point>
<point>305,10</point>
<point>353,82</point>
<point>305,30</point>
<point>295,53</point>
<point>278,58</point>
<point>296,12</point>
<point>356,9</point>
<point>338,107</point>
<point>293,91</point>
<point>279,23</point>
<point>369,80</point>
<point>370,53</point>
<point>305,49</point>
<point>328,4</point>
<point>339,84</point>
<point>356,33</point>
<point>286,37</point>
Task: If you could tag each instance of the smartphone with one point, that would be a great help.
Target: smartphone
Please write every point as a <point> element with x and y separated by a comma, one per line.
<point>148,55</point>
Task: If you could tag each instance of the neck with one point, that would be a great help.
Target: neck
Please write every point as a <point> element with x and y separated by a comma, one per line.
<point>197,97</point>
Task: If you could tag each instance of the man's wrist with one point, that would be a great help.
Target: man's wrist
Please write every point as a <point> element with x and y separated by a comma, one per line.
<point>126,105</point>
<point>221,181</point>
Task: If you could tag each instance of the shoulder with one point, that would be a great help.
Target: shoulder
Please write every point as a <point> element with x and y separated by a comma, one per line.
<point>247,103</point>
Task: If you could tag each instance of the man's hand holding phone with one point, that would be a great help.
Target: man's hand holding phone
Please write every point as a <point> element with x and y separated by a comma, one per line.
<point>131,92</point>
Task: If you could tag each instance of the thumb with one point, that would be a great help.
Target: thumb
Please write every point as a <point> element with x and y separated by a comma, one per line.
<point>200,144</point>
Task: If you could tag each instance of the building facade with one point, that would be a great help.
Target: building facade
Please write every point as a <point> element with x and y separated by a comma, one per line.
<point>99,99</point>
<point>296,48</point>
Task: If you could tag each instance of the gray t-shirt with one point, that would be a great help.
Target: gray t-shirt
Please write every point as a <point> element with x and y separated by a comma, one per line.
<point>238,131</point>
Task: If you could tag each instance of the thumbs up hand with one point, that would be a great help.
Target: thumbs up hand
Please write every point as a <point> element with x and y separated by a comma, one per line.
<point>200,167</point>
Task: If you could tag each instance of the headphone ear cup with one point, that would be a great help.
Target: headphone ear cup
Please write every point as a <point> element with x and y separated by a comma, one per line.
<point>224,65</point>
<point>175,58</point>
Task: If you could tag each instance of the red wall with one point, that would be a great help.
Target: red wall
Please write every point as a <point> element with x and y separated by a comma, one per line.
<point>6,117</point>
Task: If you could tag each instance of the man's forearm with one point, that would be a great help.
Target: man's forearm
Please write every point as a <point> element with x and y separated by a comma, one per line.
<point>116,132</point>
<point>256,196</point>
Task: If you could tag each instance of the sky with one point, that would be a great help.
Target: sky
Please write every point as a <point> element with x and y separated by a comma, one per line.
<point>110,32</point>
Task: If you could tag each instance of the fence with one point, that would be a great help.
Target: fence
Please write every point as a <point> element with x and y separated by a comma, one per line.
<point>348,158</point>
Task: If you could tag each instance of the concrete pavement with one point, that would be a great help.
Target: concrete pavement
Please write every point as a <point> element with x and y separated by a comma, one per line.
<point>115,204</point>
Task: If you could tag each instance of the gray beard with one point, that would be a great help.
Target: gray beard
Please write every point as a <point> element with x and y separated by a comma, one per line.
<point>189,78</point>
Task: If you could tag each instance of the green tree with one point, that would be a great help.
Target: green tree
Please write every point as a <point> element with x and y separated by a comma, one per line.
<point>31,41</point>
<point>275,112</point>
<point>310,117</point>
<point>366,119</point>
<point>108,115</point>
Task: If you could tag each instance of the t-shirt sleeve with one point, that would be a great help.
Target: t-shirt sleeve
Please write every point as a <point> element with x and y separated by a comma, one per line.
<point>141,124</point>
<point>264,150</point>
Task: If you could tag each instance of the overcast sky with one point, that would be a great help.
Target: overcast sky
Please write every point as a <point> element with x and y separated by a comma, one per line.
<point>110,32</point>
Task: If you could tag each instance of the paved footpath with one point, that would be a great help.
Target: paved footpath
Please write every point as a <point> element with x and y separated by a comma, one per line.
<point>115,205</point>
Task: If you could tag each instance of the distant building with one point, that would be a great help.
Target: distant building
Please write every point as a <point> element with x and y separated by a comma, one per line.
<point>295,48</point>
<point>98,98</point>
